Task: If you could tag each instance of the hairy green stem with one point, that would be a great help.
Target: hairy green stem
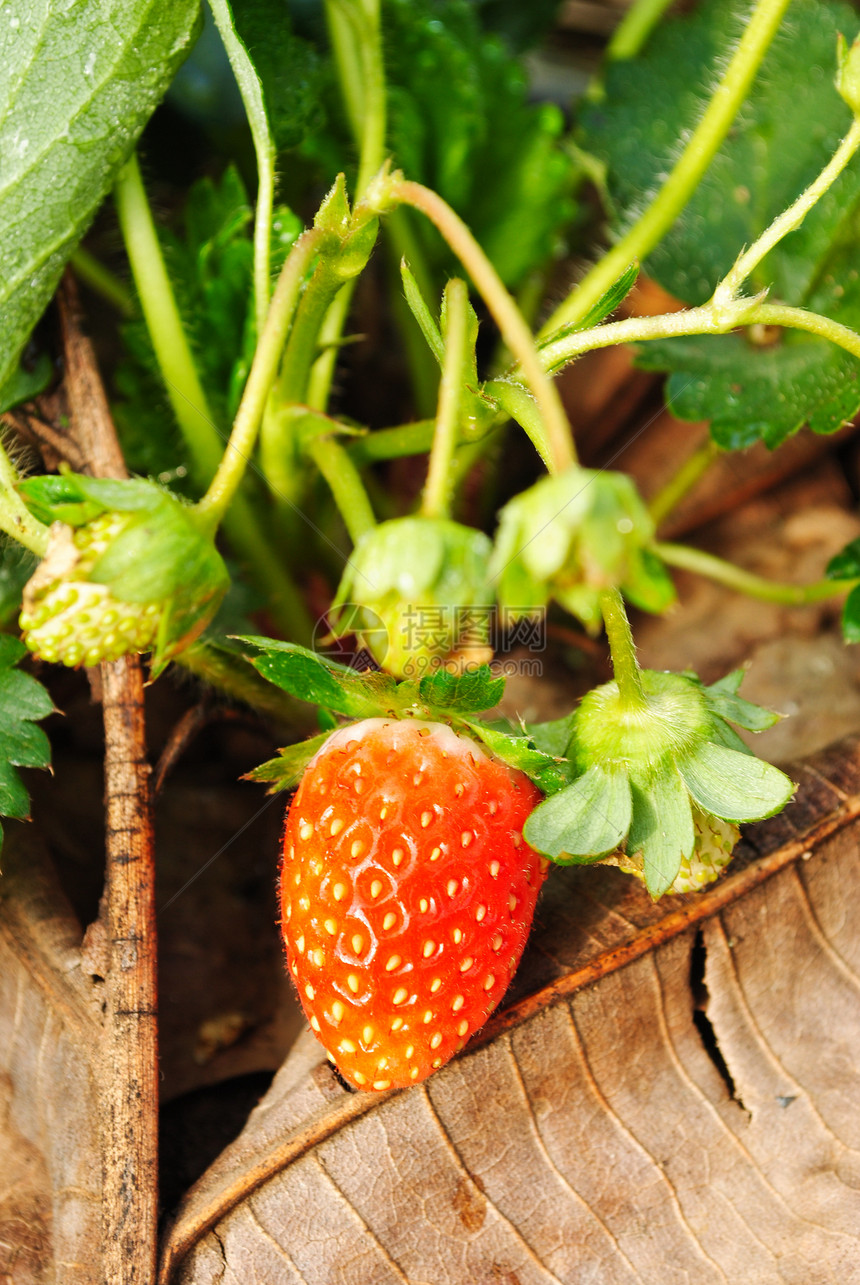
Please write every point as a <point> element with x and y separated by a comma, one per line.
<point>624,663</point>
<point>518,403</point>
<point>393,443</point>
<point>15,518</point>
<point>693,468</point>
<point>635,28</point>
<point>345,485</point>
<point>88,269</point>
<point>271,342</point>
<point>703,145</point>
<point>557,440</point>
<point>436,500</point>
<point>686,558</point>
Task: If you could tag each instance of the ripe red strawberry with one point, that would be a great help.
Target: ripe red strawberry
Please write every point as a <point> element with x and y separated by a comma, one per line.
<point>407,894</point>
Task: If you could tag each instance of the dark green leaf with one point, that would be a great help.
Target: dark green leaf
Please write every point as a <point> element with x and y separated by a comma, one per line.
<point>730,682</point>
<point>753,717</point>
<point>661,829</point>
<point>23,384</point>
<point>846,565</point>
<point>304,674</point>
<point>77,85</point>
<point>553,738</point>
<point>599,311</point>
<point>789,127</point>
<point>585,820</point>
<point>22,701</point>
<point>421,312</point>
<point>516,752</point>
<point>17,564</point>
<point>473,690</point>
<point>289,69</point>
<point>851,617</point>
<point>286,770</point>
<point>733,786</point>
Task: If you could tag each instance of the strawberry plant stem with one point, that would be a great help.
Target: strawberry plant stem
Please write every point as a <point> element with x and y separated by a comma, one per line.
<point>393,443</point>
<point>345,484</point>
<point>703,145</point>
<point>15,518</point>
<point>687,558</point>
<point>102,281</point>
<point>264,149</point>
<point>635,28</point>
<point>556,436</point>
<point>436,500</point>
<point>694,467</point>
<point>620,638</point>
<point>517,402</point>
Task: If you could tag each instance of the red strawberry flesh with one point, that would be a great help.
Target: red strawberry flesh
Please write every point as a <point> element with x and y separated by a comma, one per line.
<point>407,894</point>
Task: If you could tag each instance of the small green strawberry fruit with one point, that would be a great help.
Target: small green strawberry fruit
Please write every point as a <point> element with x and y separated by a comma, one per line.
<point>658,785</point>
<point>128,570</point>
<point>571,536</point>
<point>417,595</point>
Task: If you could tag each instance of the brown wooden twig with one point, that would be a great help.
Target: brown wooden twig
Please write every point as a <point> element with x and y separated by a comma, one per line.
<point>130,1041</point>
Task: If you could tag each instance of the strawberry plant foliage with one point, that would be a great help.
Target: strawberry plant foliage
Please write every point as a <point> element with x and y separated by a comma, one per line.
<point>23,702</point>
<point>749,386</point>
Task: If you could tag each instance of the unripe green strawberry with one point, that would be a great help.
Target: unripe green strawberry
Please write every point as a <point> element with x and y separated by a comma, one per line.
<point>407,894</point>
<point>715,840</point>
<point>416,593</point>
<point>127,570</point>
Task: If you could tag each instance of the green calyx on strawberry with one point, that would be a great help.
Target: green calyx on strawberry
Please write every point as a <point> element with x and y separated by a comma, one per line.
<point>416,593</point>
<point>658,787</point>
<point>127,570</point>
<point>571,536</point>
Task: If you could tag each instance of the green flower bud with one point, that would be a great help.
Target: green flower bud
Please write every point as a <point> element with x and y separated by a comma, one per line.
<point>571,536</point>
<point>417,594</point>
<point>659,786</point>
<point>127,570</point>
<point>848,72</point>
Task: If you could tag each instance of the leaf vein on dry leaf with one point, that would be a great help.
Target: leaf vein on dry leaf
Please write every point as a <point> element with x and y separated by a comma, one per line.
<point>271,1240</point>
<point>834,957</point>
<point>551,1164</point>
<point>367,1231</point>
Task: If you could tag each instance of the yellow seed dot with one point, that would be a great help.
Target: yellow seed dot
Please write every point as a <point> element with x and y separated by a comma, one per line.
<point>517,840</point>
<point>436,1040</point>
<point>494,869</point>
<point>288,912</point>
<point>435,854</point>
<point>466,964</point>
<point>512,903</point>
<point>493,808</point>
<point>459,788</point>
<point>381,1085</point>
<point>480,911</point>
<point>358,786</point>
<point>352,983</point>
<point>413,1074</point>
<point>330,927</point>
<point>367,1034</point>
<point>383,813</point>
<point>315,1025</point>
<point>347,1046</point>
<point>297,878</point>
<point>305,830</point>
<point>339,891</point>
<point>428,1016</point>
<point>359,1078</point>
<point>396,1024</point>
<point>389,921</point>
<point>309,991</point>
<point>489,982</point>
<point>428,948</point>
<point>337,1010</point>
<point>381,1063</point>
<point>335,827</point>
<point>422,905</point>
<point>435,985</point>
<point>457,935</point>
<point>426,818</point>
<point>318,957</point>
<point>462,1028</point>
<point>466,838</point>
<point>458,1003</point>
<point>397,856</point>
<point>436,1063</point>
<point>376,888</point>
<point>300,945</point>
<point>357,848</point>
<point>452,887</point>
<point>418,778</point>
<point>496,943</point>
<point>357,943</point>
<point>409,1051</point>
<point>394,961</point>
<point>400,995</point>
<point>294,966</point>
<point>304,903</point>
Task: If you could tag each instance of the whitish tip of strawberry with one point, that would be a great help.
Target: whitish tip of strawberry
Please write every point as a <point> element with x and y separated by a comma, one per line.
<point>714,845</point>
<point>69,620</point>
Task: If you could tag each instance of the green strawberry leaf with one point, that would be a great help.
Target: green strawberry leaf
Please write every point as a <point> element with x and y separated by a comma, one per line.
<point>599,311</point>
<point>283,772</point>
<point>736,710</point>
<point>77,86</point>
<point>308,676</point>
<point>420,310</point>
<point>517,752</point>
<point>17,564</point>
<point>23,701</point>
<point>473,690</point>
<point>845,565</point>
<point>851,617</point>
<point>733,786</point>
<point>585,820</point>
<point>661,829</point>
<point>24,384</point>
<point>554,737</point>
<point>750,387</point>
